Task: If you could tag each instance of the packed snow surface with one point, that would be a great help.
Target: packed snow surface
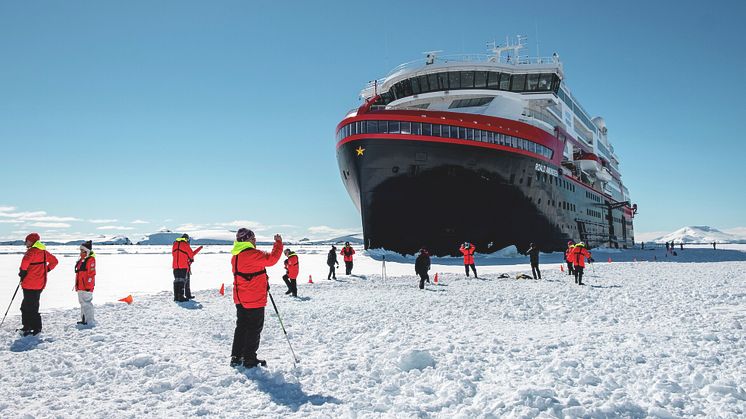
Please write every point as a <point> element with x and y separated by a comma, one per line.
<point>642,339</point>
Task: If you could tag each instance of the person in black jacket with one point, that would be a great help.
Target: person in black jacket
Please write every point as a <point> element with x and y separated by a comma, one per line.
<point>331,260</point>
<point>421,266</point>
<point>533,254</point>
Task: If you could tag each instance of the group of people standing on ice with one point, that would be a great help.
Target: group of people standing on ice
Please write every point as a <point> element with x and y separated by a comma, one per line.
<point>575,256</point>
<point>35,266</point>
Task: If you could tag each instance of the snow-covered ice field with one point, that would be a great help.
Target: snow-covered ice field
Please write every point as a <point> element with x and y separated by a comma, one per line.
<point>643,339</point>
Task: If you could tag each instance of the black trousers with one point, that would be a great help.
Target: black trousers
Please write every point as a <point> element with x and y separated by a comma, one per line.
<point>348,267</point>
<point>578,274</point>
<point>423,277</point>
<point>180,282</point>
<point>249,325</point>
<point>187,288</point>
<point>473,268</point>
<point>570,269</point>
<point>30,316</point>
<point>292,284</point>
<point>535,270</point>
<point>332,273</point>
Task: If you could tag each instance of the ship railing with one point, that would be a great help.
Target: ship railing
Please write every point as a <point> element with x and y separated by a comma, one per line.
<point>542,116</point>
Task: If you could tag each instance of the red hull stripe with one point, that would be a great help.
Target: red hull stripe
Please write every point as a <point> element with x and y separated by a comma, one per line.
<point>409,137</point>
<point>486,123</point>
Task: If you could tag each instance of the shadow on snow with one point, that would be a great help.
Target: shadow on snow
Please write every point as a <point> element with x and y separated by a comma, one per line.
<point>285,393</point>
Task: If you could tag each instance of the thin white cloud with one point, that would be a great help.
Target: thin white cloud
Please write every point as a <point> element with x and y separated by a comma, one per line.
<point>649,235</point>
<point>11,221</point>
<point>253,225</point>
<point>140,222</point>
<point>50,225</point>
<point>189,227</point>
<point>118,228</point>
<point>40,216</point>
<point>7,209</point>
<point>103,221</point>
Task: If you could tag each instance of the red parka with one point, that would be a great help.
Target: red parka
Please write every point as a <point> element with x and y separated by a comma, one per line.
<point>85,273</point>
<point>249,273</point>
<point>34,267</point>
<point>347,253</point>
<point>568,252</point>
<point>468,254</point>
<point>182,254</point>
<point>578,255</point>
<point>292,265</point>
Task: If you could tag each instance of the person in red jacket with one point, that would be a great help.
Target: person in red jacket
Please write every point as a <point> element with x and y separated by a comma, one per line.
<point>36,264</point>
<point>250,287</point>
<point>570,245</point>
<point>347,253</point>
<point>467,249</point>
<point>291,272</point>
<point>183,256</point>
<point>85,280</point>
<point>578,255</point>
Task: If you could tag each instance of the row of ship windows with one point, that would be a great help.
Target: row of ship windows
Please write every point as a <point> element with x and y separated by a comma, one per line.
<point>554,180</point>
<point>454,80</point>
<point>444,131</point>
<point>594,213</point>
<point>592,196</point>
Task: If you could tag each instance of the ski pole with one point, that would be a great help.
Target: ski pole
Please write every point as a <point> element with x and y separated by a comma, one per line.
<point>11,303</point>
<point>295,359</point>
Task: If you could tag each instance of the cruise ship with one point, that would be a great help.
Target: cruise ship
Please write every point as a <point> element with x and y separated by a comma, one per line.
<point>491,149</point>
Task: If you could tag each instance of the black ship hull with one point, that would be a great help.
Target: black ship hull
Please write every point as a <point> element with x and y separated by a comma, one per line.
<point>415,193</point>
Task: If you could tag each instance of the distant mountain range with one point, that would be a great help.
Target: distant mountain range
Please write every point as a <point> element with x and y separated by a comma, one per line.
<point>699,234</point>
<point>202,237</point>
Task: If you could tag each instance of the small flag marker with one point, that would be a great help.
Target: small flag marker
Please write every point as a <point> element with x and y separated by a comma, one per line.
<point>222,289</point>
<point>127,299</point>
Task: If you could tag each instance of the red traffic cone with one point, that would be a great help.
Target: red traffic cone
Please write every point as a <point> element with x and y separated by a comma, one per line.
<point>127,299</point>
<point>222,289</point>
<point>435,280</point>
<point>310,280</point>
<point>562,268</point>
<point>609,259</point>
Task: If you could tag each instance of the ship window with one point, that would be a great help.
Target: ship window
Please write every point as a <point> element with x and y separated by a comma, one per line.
<point>407,86</point>
<point>399,90</point>
<point>518,84</point>
<point>454,132</point>
<point>555,83</point>
<point>528,181</point>
<point>371,127</point>
<point>424,85</point>
<point>493,80</point>
<point>416,128</point>
<point>504,81</point>
<point>545,82</point>
<point>383,126</point>
<point>467,79</point>
<point>445,131</point>
<point>461,132</point>
<point>406,128</point>
<point>442,81</point>
<point>454,79</point>
<point>532,82</point>
<point>415,85</point>
<point>436,130</point>
<point>393,127</point>
<point>465,103</point>
<point>433,81</point>
<point>480,79</point>
<point>426,129</point>
<point>353,128</point>
<point>491,136</point>
<point>469,133</point>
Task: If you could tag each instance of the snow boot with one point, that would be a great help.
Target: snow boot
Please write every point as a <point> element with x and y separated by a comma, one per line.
<point>236,361</point>
<point>179,292</point>
<point>251,363</point>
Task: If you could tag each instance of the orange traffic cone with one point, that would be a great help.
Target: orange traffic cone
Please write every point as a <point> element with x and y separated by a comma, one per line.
<point>222,289</point>
<point>310,280</point>
<point>435,280</point>
<point>127,299</point>
<point>609,259</point>
<point>562,268</point>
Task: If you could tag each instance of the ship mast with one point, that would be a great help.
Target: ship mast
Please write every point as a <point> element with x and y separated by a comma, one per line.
<point>498,50</point>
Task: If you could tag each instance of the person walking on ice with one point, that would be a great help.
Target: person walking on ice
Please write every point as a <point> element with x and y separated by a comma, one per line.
<point>347,253</point>
<point>182,258</point>
<point>533,256</point>
<point>331,260</point>
<point>579,254</point>
<point>85,280</point>
<point>467,249</point>
<point>421,266</point>
<point>35,266</point>
<point>291,272</point>
<point>568,259</point>
<point>250,288</point>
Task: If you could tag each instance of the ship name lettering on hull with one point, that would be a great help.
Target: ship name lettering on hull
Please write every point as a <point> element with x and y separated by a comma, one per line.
<point>546,169</point>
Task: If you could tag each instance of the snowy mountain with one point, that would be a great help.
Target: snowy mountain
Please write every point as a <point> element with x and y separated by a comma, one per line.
<point>699,234</point>
<point>100,240</point>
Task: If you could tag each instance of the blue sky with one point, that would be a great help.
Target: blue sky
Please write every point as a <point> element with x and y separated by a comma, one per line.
<point>215,114</point>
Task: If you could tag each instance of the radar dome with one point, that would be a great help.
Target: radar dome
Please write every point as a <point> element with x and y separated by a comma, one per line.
<point>600,123</point>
